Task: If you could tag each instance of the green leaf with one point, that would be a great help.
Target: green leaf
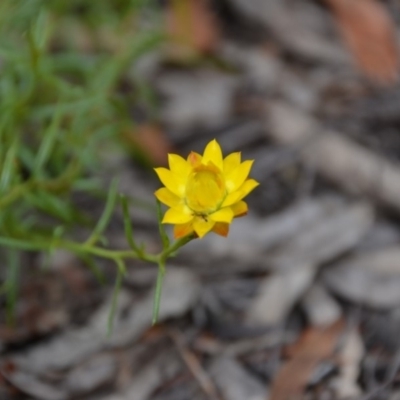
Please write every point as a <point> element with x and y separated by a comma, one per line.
<point>41,29</point>
<point>20,244</point>
<point>9,166</point>
<point>91,264</point>
<point>157,293</point>
<point>54,205</point>
<point>106,216</point>
<point>128,225</point>
<point>71,107</point>
<point>117,289</point>
<point>87,184</point>
<point>110,70</point>
<point>47,143</point>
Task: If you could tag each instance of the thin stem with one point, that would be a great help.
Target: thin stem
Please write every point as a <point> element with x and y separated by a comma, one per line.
<point>106,253</point>
<point>176,245</point>
<point>162,257</point>
<point>94,250</point>
<point>128,227</point>
<point>157,294</point>
<point>118,256</point>
<point>75,247</point>
<point>106,216</point>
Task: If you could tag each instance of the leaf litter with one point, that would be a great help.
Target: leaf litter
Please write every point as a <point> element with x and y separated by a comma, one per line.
<point>301,300</point>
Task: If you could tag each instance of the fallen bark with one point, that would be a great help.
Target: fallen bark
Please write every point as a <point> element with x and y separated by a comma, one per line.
<point>371,278</point>
<point>356,169</point>
<point>314,220</point>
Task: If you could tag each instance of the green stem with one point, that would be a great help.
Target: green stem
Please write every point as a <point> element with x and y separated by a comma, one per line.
<point>157,294</point>
<point>105,253</point>
<point>162,258</point>
<point>175,246</point>
<point>116,255</point>
<point>93,250</point>
<point>128,227</point>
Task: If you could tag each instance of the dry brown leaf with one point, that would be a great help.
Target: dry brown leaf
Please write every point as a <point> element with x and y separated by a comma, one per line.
<point>314,346</point>
<point>151,140</point>
<point>192,26</point>
<point>370,35</point>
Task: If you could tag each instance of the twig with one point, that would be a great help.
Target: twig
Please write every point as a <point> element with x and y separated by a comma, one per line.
<point>390,377</point>
<point>191,361</point>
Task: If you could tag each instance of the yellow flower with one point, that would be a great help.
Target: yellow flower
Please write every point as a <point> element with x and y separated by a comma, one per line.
<point>206,192</point>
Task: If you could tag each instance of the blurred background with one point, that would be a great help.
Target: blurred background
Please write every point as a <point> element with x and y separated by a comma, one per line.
<point>302,300</point>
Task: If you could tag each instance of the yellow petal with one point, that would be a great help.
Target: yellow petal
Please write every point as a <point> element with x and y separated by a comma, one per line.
<point>222,215</point>
<point>220,228</point>
<point>213,153</point>
<point>237,177</point>
<point>232,198</point>
<point>239,209</point>
<point>231,162</point>
<point>179,165</point>
<point>178,215</point>
<point>239,194</point>
<point>182,230</point>
<point>167,197</point>
<point>173,182</point>
<point>202,227</point>
<point>194,159</point>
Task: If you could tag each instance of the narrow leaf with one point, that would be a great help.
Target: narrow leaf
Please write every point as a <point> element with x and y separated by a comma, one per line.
<point>8,168</point>
<point>157,293</point>
<point>128,225</point>
<point>106,216</point>
<point>47,144</point>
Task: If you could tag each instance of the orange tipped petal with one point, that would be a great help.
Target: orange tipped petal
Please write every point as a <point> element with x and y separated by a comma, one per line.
<point>181,230</point>
<point>194,159</point>
<point>222,229</point>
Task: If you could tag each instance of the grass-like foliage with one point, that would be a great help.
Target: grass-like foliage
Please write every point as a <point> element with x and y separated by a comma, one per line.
<point>62,66</point>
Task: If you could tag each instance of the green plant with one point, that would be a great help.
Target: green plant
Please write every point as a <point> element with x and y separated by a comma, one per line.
<point>61,66</point>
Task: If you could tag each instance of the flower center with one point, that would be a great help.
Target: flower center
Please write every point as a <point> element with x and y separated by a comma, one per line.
<point>205,190</point>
